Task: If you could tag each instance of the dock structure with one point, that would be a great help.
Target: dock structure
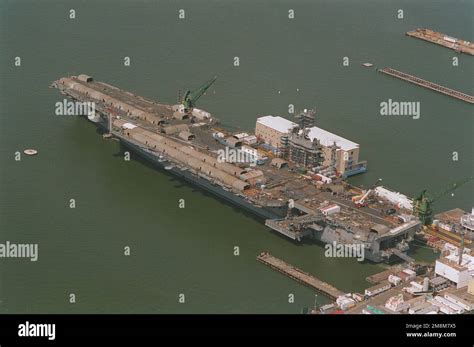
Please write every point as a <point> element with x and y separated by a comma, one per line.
<point>299,275</point>
<point>403,256</point>
<point>444,40</point>
<point>427,84</point>
<point>447,236</point>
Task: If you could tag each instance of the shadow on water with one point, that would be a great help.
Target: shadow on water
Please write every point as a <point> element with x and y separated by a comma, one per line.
<point>181,183</point>
<point>423,252</point>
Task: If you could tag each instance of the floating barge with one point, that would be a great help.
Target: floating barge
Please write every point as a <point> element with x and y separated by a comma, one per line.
<point>299,275</point>
<point>427,84</point>
<point>444,40</point>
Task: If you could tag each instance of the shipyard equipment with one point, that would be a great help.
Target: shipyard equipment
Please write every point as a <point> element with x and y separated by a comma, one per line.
<point>361,202</point>
<point>422,205</point>
<point>190,97</point>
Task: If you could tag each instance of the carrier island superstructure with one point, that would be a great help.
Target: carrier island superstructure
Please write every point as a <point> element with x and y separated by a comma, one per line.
<point>294,180</point>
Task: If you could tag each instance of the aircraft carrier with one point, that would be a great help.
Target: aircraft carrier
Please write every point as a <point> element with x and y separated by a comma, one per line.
<point>185,141</point>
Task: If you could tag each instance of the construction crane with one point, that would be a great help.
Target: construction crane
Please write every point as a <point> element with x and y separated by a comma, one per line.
<point>422,205</point>
<point>359,201</point>
<point>190,97</point>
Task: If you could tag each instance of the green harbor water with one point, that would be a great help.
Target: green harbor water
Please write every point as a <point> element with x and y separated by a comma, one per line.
<point>119,204</point>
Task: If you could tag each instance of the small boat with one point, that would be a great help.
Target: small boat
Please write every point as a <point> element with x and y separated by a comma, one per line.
<point>30,151</point>
<point>368,64</point>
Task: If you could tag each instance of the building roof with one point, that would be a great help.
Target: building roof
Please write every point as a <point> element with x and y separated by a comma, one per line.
<point>378,286</point>
<point>251,174</point>
<point>467,261</point>
<point>186,135</point>
<point>279,162</point>
<point>233,142</point>
<point>277,123</point>
<point>416,300</point>
<point>240,136</point>
<point>84,78</point>
<point>327,139</point>
<point>438,280</point>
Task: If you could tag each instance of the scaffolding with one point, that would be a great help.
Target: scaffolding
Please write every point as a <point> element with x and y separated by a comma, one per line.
<point>303,151</point>
<point>284,146</point>
<point>306,118</point>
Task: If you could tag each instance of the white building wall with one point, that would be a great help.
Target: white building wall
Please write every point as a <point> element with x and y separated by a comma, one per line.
<point>460,277</point>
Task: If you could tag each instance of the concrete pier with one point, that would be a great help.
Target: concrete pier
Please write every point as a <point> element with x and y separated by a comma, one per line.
<point>427,84</point>
<point>299,275</point>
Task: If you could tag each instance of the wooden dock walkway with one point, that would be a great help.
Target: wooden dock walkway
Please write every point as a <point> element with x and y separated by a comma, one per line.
<point>299,275</point>
<point>427,84</point>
